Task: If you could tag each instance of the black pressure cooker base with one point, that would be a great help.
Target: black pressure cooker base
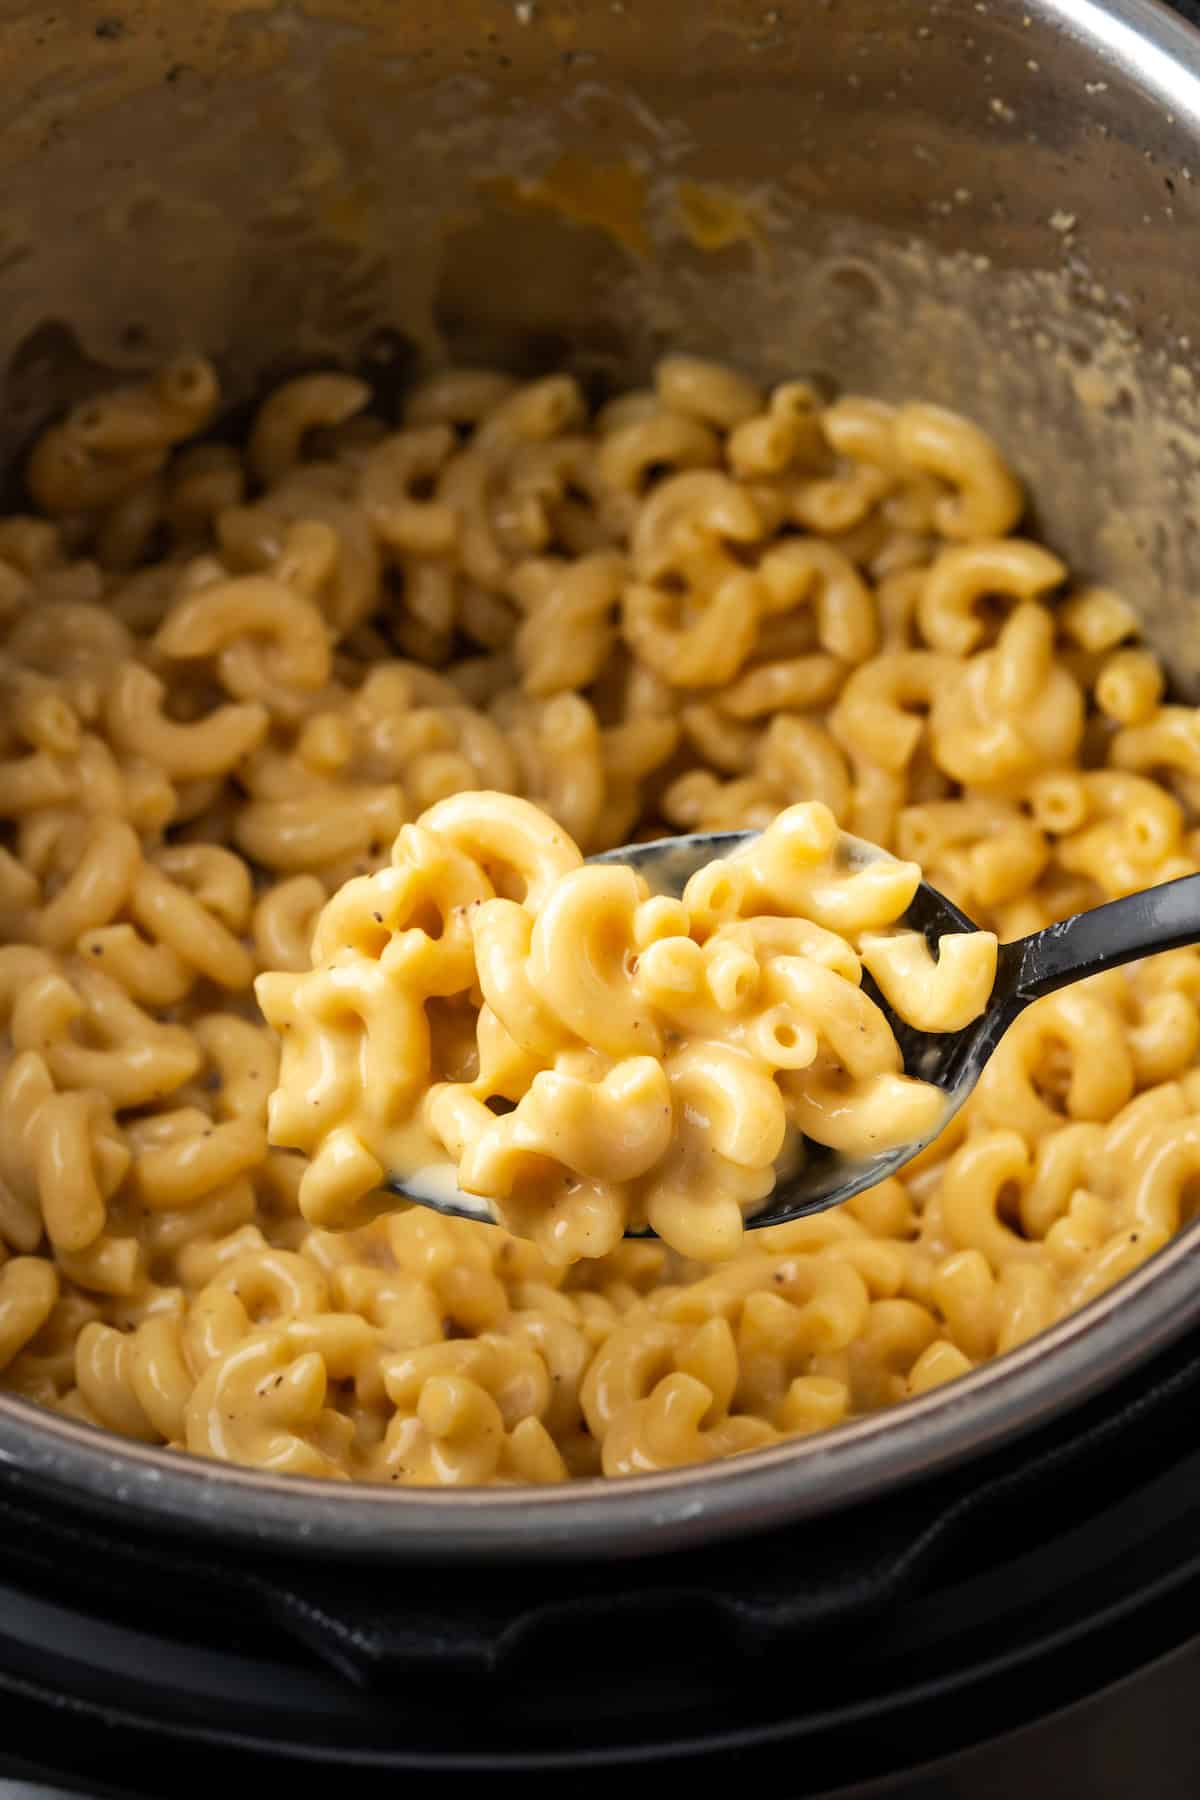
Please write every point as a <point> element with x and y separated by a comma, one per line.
<point>825,1656</point>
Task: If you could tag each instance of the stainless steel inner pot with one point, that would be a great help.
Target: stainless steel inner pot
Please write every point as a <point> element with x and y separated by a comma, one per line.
<point>984,202</point>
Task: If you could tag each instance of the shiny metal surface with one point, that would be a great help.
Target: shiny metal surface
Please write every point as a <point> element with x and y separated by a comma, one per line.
<point>990,203</point>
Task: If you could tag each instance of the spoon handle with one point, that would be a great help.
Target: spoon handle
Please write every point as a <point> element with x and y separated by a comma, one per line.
<point>1160,918</point>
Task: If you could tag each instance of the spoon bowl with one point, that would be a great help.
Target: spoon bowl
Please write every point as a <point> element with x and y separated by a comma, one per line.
<point>1141,924</point>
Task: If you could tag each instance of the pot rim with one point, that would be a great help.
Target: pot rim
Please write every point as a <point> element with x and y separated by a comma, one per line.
<point>634,1516</point>
<point>1157,53</point>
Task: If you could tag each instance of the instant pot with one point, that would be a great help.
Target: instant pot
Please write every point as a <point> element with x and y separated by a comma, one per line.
<point>986,203</point>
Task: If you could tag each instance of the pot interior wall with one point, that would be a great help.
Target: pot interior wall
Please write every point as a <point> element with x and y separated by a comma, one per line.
<point>953,200</point>
<point>961,201</point>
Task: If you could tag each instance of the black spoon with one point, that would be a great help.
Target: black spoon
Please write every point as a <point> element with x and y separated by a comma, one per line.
<point>1159,918</point>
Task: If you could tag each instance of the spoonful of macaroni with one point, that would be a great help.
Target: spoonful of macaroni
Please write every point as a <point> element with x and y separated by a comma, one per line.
<point>687,1037</point>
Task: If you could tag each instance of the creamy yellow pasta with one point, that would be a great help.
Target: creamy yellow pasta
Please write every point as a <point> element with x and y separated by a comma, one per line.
<point>589,1057</point>
<point>232,675</point>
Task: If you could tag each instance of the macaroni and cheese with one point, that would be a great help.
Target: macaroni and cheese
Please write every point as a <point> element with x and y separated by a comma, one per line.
<point>232,674</point>
<point>655,1061</point>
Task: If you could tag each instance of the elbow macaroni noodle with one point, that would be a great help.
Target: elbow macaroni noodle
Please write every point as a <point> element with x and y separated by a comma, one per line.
<point>231,679</point>
<point>654,1061</point>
